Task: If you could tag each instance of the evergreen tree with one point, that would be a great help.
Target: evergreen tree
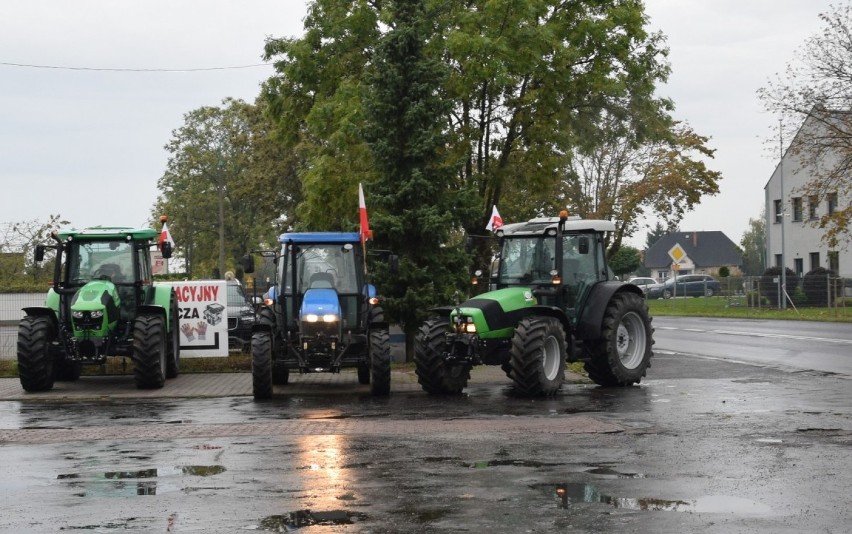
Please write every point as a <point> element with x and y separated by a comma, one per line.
<point>420,208</point>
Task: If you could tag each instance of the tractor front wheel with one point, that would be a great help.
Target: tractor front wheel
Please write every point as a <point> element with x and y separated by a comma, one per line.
<point>261,365</point>
<point>35,363</point>
<point>149,351</point>
<point>380,368</point>
<point>433,373</point>
<point>623,355</point>
<point>537,356</point>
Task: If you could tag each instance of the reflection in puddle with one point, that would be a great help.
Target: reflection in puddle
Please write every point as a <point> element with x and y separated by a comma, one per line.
<point>140,482</point>
<point>307,518</point>
<point>608,472</point>
<point>575,493</point>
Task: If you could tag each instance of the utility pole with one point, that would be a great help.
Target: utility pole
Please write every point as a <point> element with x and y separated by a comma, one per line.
<point>783,212</point>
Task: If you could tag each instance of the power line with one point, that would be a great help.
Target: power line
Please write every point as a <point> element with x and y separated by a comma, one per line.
<point>57,67</point>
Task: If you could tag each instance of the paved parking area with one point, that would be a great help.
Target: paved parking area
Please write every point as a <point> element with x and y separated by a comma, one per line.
<point>202,385</point>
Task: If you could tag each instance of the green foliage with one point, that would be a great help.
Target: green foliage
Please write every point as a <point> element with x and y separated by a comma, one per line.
<point>753,244</point>
<point>625,260</point>
<point>655,234</point>
<point>417,207</point>
<point>226,173</point>
<point>724,272</point>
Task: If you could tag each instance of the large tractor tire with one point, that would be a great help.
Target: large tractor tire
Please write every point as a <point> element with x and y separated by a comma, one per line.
<point>537,356</point>
<point>433,373</point>
<point>67,370</point>
<point>149,351</point>
<point>261,365</point>
<point>623,355</point>
<point>173,357</point>
<point>380,362</point>
<point>35,363</point>
<point>280,373</point>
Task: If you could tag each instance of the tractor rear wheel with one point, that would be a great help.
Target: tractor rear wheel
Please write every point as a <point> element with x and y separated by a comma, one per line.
<point>537,356</point>
<point>173,357</point>
<point>623,354</point>
<point>35,363</point>
<point>149,351</point>
<point>380,368</point>
<point>261,365</point>
<point>433,373</point>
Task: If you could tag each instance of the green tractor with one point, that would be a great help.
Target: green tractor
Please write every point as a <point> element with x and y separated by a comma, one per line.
<point>552,299</point>
<point>103,302</point>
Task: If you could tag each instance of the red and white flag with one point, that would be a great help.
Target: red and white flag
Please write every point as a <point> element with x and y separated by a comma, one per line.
<point>366,233</point>
<point>165,236</point>
<point>495,221</point>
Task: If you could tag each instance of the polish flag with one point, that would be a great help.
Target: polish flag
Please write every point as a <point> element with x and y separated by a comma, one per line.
<point>366,233</point>
<point>165,236</point>
<point>495,221</point>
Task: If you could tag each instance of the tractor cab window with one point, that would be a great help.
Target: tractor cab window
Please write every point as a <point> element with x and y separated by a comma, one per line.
<point>323,266</point>
<point>527,260</point>
<point>100,260</point>
<point>582,266</point>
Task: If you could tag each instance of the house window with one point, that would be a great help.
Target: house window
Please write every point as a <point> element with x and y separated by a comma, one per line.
<point>799,266</point>
<point>778,211</point>
<point>797,209</point>
<point>778,260</point>
<point>832,203</point>
<point>814,260</point>
<point>834,261</point>
<point>813,203</point>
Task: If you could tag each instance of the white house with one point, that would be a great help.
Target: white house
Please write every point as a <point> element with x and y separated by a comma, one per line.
<point>790,218</point>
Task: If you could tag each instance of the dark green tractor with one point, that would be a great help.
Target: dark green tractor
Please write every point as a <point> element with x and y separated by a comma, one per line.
<point>103,302</point>
<point>552,300</point>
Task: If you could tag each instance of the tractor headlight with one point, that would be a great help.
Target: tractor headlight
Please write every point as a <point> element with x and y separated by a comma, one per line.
<point>465,325</point>
<point>78,314</point>
<point>97,314</point>
<point>327,318</point>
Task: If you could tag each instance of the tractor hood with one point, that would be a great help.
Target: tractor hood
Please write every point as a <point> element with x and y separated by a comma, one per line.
<point>94,302</point>
<point>495,313</point>
<point>320,304</point>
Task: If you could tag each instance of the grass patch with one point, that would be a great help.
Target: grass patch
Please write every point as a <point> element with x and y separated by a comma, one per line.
<point>735,307</point>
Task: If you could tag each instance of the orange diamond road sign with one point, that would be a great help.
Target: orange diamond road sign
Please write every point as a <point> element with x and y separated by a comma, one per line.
<point>677,253</point>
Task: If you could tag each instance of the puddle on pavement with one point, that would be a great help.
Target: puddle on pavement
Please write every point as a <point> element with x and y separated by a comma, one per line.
<point>483,464</point>
<point>576,493</point>
<point>308,518</point>
<point>608,472</point>
<point>140,482</point>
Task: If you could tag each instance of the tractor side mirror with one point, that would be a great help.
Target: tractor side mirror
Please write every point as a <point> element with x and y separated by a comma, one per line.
<point>39,252</point>
<point>248,263</point>
<point>583,245</point>
<point>393,263</point>
<point>166,249</point>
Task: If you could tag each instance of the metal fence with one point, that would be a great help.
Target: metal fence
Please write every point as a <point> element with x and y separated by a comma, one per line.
<point>830,296</point>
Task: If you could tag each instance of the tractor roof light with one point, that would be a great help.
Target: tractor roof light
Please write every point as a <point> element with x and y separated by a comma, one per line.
<point>563,215</point>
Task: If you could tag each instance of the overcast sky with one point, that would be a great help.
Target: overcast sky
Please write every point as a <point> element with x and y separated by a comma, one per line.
<point>88,144</point>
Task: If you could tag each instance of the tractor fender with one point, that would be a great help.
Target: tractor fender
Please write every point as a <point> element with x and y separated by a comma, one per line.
<point>589,324</point>
<point>43,311</point>
<point>442,311</point>
<point>152,309</point>
<point>550,311</point>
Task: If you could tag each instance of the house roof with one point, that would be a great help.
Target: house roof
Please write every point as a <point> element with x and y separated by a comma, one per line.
<point>705,249</point>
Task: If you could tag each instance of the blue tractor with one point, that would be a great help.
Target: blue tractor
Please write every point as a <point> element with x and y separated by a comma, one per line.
<point>320,315</point>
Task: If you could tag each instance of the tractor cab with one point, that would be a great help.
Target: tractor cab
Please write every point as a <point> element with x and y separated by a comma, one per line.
<point>560,265</point>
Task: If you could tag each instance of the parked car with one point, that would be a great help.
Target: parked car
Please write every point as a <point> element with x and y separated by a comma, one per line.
<point>687,285</point>
<point>643,282</point>
<point>241,317</point>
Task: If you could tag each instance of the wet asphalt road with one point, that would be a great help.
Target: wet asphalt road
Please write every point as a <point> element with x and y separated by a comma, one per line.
<point>703,445</point>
